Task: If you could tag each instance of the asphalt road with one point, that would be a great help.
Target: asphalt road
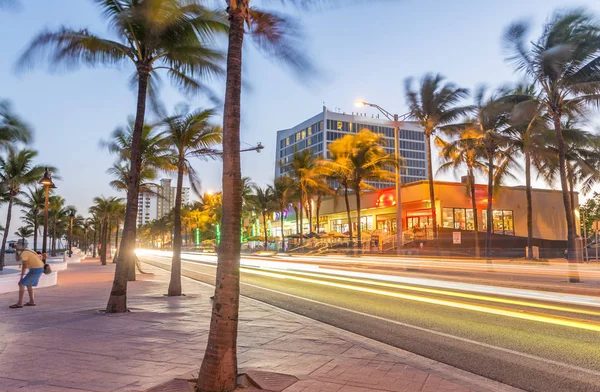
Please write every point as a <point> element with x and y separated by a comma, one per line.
<point>535,345</point>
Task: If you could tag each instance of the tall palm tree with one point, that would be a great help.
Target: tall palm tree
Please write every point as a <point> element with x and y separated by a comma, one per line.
<point>490,125</point>
<point>33,201</point>
<point>168,36</point>
<point>282,192</point>
<point>16,171</point>
<point>530,133</point>
<point>278,36</point>
<point>563,64</point>
<point>24,232</point>
<point>339,170</point>
<point>263,202</point>
<point>104,209</point>
<point>433,105</point>
<point>304,169</point>
<point>12,128</point>
<point>121,173</point>
<point>467,150</point>
<point>368,161</point>
<point>188,135</point>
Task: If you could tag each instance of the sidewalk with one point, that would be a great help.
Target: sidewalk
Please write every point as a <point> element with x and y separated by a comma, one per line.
<point>63,344</point>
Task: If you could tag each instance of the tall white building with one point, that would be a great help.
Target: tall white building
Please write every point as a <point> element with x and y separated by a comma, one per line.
<point>159,201</point>
<point>318,131</point>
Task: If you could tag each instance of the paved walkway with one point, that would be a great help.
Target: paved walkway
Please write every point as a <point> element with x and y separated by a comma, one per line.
<point>63,344</point>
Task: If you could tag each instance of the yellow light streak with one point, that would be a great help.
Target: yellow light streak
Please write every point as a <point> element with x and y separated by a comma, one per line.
<point>449,293</point>
<point>442,302</point>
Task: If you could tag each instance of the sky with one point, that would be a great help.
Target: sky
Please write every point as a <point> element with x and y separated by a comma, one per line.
<point>363,50</point>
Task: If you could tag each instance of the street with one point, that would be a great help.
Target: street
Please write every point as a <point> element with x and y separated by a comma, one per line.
<point>507,325</point>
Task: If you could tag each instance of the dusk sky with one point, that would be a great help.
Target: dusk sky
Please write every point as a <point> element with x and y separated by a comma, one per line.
<point>363,51</point>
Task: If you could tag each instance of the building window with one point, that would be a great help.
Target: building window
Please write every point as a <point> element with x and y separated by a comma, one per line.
<point>458,218</point>
<point>502,221</point>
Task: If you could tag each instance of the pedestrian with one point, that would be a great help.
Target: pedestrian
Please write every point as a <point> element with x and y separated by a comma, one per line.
<point>33,263</point>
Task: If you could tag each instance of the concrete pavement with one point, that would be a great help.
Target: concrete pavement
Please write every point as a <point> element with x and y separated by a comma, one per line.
<point>64,344</point>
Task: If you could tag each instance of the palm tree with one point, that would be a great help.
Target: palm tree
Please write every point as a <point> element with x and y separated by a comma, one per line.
<point>34,202</point>
<point>432,106</point>
<point>276,35</point>
<point>282,192</point>
<point>529,132</point>
<point>339,170</point>
<point>490,126</point>
<point>24,232</point>
<point>304,169</point>
<point>104,209</point>
<point>121,173</point>
<point>562,64</point>
<point>12,129</point>
<point>467,151</point>
<point>368,162</point>
<point>153,36</point>
<point>262,201</point>
<point>188,135</point>
<point>16,170</point>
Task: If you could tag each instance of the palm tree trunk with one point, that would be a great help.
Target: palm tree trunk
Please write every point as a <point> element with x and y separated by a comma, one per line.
<point>318,210</point>
<point>297,224</point>
<point>490,194</point>
<point>264,216</point>
<point>94,243</point>
<point>102,243</point>
<point>529,204</point>
<point>348,213</point>
<point>571,243</point>
<point>219,366</point>
<point>125,270</point>
<point>431,191</point>
<point>6,230</point>
<point>474,207</point>
<point>358,228</point>
<point>310,215</point>
<point>282,235</point>
<point>107,241</point>
<point>301,221</point>
<point>175,282</point>
<point>116,244</point>
<point>54,237</point>
<point>35,233</point>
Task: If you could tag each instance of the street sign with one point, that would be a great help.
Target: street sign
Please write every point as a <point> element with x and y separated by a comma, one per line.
<point>456,237</point>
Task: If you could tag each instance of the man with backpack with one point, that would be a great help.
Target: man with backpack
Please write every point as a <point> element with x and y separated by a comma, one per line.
<point>35,265</point>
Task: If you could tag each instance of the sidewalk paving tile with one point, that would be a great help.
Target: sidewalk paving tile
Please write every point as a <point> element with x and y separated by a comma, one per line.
<point>73,347</point>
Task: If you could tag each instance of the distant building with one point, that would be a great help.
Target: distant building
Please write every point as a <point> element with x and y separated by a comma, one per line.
<point>318,131</point>
<point>159,201</point>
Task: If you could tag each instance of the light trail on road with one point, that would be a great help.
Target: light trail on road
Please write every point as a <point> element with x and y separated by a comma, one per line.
<point>534,340</point>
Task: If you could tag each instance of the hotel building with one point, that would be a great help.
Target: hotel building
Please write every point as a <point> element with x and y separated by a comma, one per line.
<point>159,202</point>
<point>317,132</point>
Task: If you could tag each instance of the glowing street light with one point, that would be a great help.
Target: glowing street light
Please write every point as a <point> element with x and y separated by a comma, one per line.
<point>46,181</point>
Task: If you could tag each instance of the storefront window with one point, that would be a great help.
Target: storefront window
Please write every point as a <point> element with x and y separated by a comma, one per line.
<point>470,220</point>
<point>366,223</point>
<point>460,219</point>
<point>339,225</point>
<point>448,218</point>
<point>502,221</point>
<point>508,223</point>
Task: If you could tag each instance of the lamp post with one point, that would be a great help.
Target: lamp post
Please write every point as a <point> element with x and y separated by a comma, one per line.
<point>72,217</point>
<point>46,181</point>
<point>395,119</point>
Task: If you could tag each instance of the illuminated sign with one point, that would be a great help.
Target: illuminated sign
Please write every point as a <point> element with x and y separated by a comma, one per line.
<point>386,199</point>
<point>278,214</point>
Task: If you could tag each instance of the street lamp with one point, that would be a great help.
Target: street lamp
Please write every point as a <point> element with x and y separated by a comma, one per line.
<point>46,181</point>
<point>72,216</point>
<point>395,119</point>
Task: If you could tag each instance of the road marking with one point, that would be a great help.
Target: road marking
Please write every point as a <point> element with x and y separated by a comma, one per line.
<point>442,334</point>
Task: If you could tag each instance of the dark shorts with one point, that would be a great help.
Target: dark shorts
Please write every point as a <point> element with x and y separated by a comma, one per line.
<point>33,277</point>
